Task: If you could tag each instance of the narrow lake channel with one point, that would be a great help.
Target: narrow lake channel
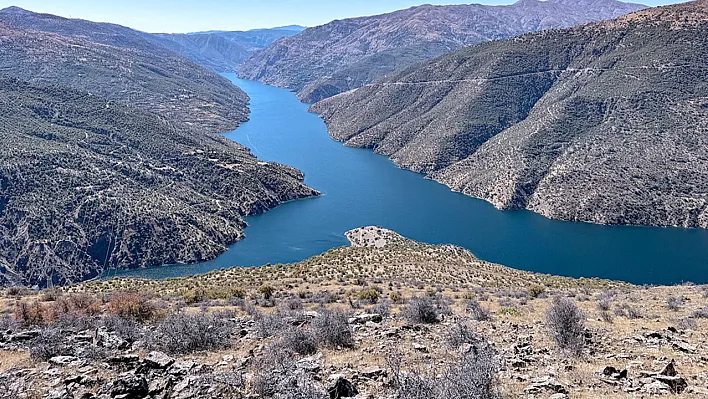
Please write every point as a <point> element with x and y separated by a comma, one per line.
<point>361,188</point>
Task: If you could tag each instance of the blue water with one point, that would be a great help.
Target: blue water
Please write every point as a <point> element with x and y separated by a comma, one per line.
<point>361,188</point>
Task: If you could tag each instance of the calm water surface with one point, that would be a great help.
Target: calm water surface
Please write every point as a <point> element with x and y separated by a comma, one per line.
<point>361,188</point>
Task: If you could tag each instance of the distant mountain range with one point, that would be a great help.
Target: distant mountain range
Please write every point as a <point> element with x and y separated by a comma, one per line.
<point>119,64</point>
<point>223,51</point>
<point>110,157</point>
<point>606,122</point>
<point>326,60</point>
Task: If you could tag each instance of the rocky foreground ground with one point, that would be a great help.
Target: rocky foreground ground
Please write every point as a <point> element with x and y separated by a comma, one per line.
<point>384,318</point>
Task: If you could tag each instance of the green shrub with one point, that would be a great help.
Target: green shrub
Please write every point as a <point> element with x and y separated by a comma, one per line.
<point>370,295</point>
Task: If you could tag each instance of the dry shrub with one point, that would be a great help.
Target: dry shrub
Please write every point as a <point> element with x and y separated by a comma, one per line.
<point>182,333</point>
<point>473,375</point>
<point>30,313</point>
<point>332,329</point>
<point>301,341</point>
<point>566,326</point>
<point>75,304</point>
<point>370,295</point>
<point>133,305</point>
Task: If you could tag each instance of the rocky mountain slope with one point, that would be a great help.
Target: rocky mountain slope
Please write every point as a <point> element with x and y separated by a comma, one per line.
<point>88,184</point>
<point>605,123</point>
<point>387,318</point>
<point>119,64</point>
<point>222,51</point>
<point>342,55</point>
<point>110,157</point>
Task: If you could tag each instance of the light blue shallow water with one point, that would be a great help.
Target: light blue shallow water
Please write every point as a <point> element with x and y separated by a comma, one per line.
<point>361,188</point>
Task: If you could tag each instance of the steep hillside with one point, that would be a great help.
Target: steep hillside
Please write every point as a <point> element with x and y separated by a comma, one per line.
<point>342,55</point>
<point>119,64</point>
<point>605,123</point>
<point>88,184</point>
<point>222,51</point>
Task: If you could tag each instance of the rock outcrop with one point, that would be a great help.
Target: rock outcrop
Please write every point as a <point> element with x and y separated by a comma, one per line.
<point>603,123</point>
<point>342,55</point>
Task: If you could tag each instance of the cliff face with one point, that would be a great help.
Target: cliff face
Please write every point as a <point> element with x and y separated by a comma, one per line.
<point>604,123</point>
<point>88,184</point>
<point>118,64</point>
<point>342,55</point>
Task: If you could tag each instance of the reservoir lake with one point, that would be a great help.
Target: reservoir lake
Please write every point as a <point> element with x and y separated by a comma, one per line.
<point>361,188</point>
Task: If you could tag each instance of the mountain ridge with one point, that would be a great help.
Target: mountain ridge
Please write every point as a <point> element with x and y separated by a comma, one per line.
<point>119,64</point>
<point>344,54</point>
<point>601,123</point>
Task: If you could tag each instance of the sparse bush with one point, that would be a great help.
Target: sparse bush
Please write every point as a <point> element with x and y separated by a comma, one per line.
<point>29,313</point>
<point>606,317</point>
<point>126,329</point>
<point>477,311</point>
<point>686,323</point>
<point>269,325</point>
<point>566,325</point>
<point>701,313</point>
<point>267,291</point>
<point>332,329</point>
<point>370,295</point>
<point>674,303</point>
<point>383,308</point>
<point>48,344</point>
<point>293,303</point>
<point>397,298</point>
<point>182,333</point>
<point>460,334</point>
<point>537,291</point>
<point>472,376</point>
<point>133,305</point>
<point>423,310</point>
<point>301,341</point>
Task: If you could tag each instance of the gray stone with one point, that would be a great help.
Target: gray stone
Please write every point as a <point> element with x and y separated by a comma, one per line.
<point>339,387</point>
<point>158,360</point>
<point>63,360</point>
<point>420,347</point>
<point>366,318</point>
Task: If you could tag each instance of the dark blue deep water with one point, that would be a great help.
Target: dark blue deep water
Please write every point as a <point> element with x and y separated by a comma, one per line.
<point>361,188</point>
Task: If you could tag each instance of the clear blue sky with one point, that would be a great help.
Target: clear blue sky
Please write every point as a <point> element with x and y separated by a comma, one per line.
<point>197,15</point>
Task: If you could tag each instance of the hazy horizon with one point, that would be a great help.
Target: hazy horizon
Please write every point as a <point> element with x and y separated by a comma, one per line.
<point>183,16</point>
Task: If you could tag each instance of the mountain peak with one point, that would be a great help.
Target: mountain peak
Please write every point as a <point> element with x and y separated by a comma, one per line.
<point>15,10</point>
